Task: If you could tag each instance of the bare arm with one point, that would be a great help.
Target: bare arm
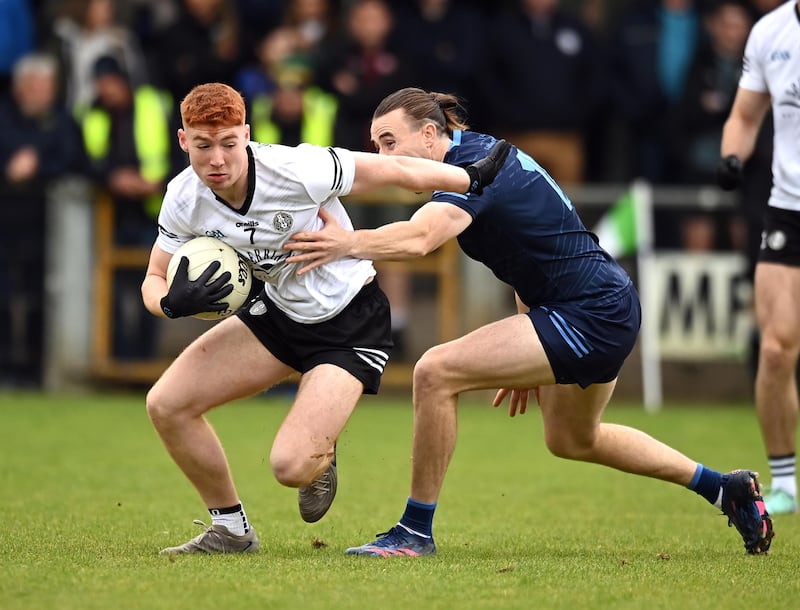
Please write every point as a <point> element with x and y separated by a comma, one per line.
<point>419,175</point>
<point>430,227</point>
<point>154,286</point>
<point>741,129</point>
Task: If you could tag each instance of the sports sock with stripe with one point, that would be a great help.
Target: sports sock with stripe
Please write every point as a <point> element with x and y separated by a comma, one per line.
<point>419,517</point>
<point>782,468</point>
<point>232,517</point>
<point>707,483</point>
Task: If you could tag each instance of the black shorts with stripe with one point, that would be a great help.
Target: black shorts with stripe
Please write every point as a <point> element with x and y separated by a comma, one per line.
<point>780,237</point>
<point>358,339</point>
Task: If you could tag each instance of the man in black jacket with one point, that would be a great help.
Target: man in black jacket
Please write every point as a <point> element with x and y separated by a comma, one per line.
<point>40,143</point>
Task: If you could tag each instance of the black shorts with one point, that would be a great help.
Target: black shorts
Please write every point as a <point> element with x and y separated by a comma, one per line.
<point>587,345</point>
<point>780,237</point>
<point>358,339</point>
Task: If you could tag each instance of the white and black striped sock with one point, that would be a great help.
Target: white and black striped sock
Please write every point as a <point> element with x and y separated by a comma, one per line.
<point>233,518</point>
<point>783,471</point>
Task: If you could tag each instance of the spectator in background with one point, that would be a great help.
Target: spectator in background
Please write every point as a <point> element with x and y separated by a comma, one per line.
<point>294,112</point>
<point>275,50</point>
<point>257,17</point>
<point>40,142</point>
<point>147,17</point>
<point>17,37</point>
<point>314,21</point>
<point>655,46</point>
<point>129,139</point>
<point>202,45</point>
<point>302,26</point>
<point>84,31</point>
<point>542,104</point>
<point>306,26</point>
<point>441,54</point>
<point>711,85</point>
<point>361,67</point>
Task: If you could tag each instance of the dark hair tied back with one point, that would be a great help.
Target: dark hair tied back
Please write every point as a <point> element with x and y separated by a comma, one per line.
<point>443,109</point>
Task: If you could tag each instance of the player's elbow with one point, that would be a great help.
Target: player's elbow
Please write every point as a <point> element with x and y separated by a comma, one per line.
<point>423,241</point>
<point>419,247</point>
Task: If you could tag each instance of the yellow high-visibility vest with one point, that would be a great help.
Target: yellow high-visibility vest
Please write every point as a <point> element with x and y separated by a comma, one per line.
<point>151,134</point>
<point>319,114</point>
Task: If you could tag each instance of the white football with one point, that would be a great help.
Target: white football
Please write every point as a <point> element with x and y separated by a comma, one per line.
<point>201,251</point>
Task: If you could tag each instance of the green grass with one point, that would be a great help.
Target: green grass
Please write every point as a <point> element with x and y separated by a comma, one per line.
<point>89,496</point>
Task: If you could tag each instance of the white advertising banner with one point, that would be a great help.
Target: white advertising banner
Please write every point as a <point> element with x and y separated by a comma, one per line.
<point>702,305</point>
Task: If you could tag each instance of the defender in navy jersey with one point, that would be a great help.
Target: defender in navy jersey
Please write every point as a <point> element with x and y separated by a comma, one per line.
<point>578,320</point>
<point>332,327</point>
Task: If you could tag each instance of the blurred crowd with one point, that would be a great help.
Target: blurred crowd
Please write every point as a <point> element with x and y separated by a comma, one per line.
<point>596,90</point>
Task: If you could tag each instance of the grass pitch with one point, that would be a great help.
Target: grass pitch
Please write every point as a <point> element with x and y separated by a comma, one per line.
<point>89,496</point>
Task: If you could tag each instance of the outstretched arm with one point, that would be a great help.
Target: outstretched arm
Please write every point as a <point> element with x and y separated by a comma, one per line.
<point>419,175</point>
<point>430,227</point>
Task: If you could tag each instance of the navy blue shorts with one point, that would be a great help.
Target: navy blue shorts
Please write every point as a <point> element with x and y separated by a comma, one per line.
<point>587,344</point>
<point>358,339</point>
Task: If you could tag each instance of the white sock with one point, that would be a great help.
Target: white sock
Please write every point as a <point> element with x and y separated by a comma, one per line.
<point>233,518</point>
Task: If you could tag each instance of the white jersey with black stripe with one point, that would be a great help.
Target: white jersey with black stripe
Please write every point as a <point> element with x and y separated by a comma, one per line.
<point>287,187</point>
<point>772,65</point>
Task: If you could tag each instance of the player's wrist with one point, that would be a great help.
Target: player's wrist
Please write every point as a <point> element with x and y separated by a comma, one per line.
<point>474,179</point>
<point>168,309</point>
<point>730,170</point>
<point>483,172</point>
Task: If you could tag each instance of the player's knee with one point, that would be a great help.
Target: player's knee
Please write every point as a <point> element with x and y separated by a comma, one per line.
<point>569,444</point>
<point>161,409</point>
<point>429,371</point>
<point>155,405</point>
<point>776,357</point>
<point>290,469</point>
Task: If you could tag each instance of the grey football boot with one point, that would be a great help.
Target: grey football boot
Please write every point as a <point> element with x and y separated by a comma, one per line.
<point>216,539</point>
<point>315,499</point>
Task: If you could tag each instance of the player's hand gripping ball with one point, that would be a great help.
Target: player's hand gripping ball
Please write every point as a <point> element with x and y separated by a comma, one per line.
<point>207,279</point>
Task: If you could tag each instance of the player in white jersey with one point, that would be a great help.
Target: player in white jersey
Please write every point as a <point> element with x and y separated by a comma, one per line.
<point>771,77</point>
<point>333,327</point>
<point>291,185</point>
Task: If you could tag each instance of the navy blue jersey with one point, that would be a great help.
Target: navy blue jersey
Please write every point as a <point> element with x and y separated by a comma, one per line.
<point>526,230</point>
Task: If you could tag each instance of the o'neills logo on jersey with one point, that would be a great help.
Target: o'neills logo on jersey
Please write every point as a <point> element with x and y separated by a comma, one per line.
<point>282,221</point>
